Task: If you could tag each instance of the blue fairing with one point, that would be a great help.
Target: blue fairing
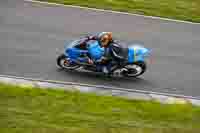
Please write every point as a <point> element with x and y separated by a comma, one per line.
<point>74,53</point>
<point>137,53</point>
<point>94,49</point>
<point>131,55</point>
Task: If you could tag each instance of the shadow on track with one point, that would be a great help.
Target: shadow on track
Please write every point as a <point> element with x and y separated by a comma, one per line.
<point>116,81</point>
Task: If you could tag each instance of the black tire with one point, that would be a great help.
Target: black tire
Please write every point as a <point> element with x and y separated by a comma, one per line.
<point>60,57</point>
<point>60,65</point>
<point>143,67</point>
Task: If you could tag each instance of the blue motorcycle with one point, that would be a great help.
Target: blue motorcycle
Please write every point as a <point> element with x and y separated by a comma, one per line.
<point>134,58</point>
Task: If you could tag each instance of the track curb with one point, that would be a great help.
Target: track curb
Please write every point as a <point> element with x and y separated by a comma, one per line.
<point>101,90</point>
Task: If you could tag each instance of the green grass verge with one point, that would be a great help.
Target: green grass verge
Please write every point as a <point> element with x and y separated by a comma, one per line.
<point>27,110</point>
<point>188,10</point>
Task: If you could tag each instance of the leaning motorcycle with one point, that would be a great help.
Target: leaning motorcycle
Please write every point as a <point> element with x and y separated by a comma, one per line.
<point>134,60</point>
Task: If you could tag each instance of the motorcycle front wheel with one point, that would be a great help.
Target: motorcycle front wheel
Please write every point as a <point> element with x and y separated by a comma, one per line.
<point>64,63</point>
<point>136,69</point>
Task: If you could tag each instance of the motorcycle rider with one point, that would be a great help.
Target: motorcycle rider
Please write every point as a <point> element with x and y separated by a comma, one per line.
<point>111,53</point>
<point>103,39</point>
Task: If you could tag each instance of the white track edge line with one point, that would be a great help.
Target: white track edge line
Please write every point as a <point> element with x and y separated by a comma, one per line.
<point>99,86</point>
<point>116,12</point>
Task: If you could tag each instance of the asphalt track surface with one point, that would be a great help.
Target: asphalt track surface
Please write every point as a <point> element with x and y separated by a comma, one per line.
<point>31,34</point>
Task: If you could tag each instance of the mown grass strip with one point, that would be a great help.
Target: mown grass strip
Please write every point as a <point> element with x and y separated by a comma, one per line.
<point>25,110</point>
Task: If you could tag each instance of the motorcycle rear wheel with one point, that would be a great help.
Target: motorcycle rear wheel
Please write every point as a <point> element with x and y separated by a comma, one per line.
<point>136,69</point>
